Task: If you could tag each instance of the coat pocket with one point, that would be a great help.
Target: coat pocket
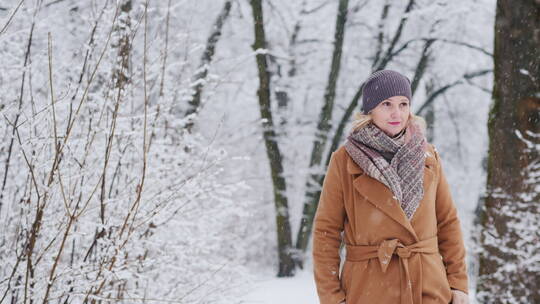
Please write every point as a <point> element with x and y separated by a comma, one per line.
<point>435,281</point>
<point>353,278</point>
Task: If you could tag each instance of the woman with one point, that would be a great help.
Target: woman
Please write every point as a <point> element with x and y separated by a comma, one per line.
<point>386,191</point>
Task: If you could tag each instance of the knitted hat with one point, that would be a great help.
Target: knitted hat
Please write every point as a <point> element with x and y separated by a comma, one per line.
<point>382,85</point>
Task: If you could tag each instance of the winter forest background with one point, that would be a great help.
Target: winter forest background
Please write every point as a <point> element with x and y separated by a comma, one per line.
<point>139,164</point>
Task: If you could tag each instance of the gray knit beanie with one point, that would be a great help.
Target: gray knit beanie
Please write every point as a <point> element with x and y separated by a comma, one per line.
<point>382,85</point>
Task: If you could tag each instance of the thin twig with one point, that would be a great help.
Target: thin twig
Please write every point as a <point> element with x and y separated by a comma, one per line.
<point>4,28</point>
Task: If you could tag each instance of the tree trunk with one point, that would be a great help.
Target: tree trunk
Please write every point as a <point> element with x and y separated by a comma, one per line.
<point>206,59</point>
<point>286,263</point>
<point>282,81</point>
<point>323,128</point>
<point>421,68</point>
<point>510,220</point>
<point>430,114</point>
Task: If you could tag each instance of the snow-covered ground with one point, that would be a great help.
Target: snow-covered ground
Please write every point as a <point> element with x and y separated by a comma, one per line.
<point>300,289</point>
<point>268,289</point>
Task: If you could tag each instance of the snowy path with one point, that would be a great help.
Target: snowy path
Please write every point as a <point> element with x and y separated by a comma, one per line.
<point>299,289</point>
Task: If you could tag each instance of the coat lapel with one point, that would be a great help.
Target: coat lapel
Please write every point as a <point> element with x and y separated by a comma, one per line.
<point>382,197</point>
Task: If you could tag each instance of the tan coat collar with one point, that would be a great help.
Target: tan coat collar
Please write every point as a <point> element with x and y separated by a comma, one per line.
<point>382,197</point>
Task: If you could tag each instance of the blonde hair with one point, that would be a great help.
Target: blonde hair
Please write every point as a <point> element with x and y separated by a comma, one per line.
<point>361,120</point>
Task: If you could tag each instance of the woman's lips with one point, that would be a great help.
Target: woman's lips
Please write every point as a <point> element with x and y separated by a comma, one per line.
<point>394,123</point>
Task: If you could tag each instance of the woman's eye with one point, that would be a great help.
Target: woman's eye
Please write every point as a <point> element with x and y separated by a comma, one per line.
<point>404,104</point>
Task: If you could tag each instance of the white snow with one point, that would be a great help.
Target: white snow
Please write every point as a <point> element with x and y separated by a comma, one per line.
<point>268,289</point>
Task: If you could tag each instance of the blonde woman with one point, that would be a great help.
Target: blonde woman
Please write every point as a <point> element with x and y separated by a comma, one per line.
<point>386,197</point>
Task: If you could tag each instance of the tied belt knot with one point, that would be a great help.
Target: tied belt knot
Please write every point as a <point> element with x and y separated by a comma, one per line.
<point>406,255</point>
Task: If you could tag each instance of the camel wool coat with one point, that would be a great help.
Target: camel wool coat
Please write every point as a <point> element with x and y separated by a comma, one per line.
<point>388,259</point>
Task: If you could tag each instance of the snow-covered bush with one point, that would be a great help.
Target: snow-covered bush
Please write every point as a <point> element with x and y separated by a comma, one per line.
<point>105,194</point>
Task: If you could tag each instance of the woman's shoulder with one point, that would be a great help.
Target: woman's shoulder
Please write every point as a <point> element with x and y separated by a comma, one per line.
<point>430,149</point>
<point>344,161</point>
<point>432,156</point>
<point>341,155</point>
<point>340,152</point>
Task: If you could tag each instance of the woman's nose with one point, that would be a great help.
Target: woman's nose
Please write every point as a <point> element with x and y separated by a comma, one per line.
<point>395,112</point>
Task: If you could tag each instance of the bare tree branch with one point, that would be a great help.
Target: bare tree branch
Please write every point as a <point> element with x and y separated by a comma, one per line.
<point>468,45</point>
<point>446,87</point>
<point>397,35</point>
<point>4,28</point>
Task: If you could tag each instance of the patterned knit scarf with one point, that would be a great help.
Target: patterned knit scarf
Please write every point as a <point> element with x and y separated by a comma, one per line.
<point>405,172</point>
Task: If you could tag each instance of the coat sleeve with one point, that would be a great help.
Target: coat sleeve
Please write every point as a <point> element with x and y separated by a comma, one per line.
<point>328,225</point>
<point>451,246</point>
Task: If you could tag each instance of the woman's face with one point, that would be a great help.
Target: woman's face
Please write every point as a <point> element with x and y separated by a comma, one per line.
<point>391,115</point>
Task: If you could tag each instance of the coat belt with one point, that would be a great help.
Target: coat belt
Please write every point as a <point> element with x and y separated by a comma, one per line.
<point>384,252</point>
